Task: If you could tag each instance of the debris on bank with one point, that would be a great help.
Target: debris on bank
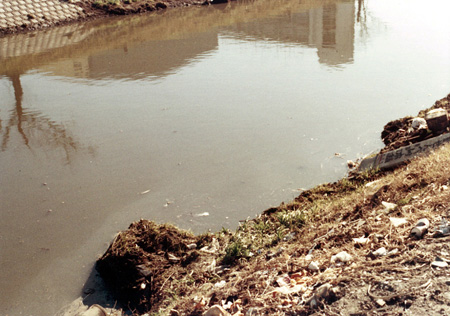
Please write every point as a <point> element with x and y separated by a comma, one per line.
<point>375,243</point>
<point>410,137</point>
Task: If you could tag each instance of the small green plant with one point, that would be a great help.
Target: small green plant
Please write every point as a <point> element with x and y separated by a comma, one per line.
<point>292,219</point>
<point>262,226</point>
<point>235,251</point>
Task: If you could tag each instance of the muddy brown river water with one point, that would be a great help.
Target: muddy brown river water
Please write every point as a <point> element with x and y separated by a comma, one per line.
<point>197,116</point>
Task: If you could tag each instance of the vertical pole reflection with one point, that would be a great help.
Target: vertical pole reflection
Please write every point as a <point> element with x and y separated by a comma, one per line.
<point>18,94</point>
<point>17,115</point>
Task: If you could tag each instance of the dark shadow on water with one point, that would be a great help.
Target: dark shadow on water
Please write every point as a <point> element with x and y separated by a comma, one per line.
<point>95,291</point>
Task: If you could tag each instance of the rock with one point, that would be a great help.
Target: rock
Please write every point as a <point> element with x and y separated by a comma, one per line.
<point>388,207</point>
<point>216,310</point>
<point>380,252</point>
<point>380,302</point>
<point>343,257</point>
<point>191,246</point>
<point>313,266</point>
<point>220,284</point>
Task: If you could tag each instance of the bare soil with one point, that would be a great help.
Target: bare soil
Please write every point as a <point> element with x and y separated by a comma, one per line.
<point>284,261</point>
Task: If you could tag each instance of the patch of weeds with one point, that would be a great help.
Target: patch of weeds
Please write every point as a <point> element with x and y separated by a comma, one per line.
<point>346,185</point>
<point>365,176</point>
<point>235,251</point>
<point>262,226</point>
<point>292,219</point>
<point>204,239</point>
<point>225,231</point>
<point>243,226</point>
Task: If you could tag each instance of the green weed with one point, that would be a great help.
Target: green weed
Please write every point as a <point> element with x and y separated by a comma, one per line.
<point>235,251</point>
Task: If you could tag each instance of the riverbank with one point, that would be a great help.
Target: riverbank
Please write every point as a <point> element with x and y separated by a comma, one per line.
<point>18,16</point>
<point>343,248</point>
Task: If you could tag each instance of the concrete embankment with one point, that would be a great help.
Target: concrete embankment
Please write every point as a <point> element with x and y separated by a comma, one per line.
<point>18,15</point>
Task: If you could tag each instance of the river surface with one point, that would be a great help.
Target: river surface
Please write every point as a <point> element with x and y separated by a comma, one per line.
<point>223,110</point>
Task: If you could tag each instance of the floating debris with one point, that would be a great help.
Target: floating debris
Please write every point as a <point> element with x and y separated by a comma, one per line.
<point>204,214</point>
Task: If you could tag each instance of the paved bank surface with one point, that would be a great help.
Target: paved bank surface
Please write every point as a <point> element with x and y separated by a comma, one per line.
<point>18,15</point>
<point>27,15</point>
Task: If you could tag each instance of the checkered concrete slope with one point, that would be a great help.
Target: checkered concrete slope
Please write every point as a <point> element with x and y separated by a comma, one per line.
<point>21,13</point>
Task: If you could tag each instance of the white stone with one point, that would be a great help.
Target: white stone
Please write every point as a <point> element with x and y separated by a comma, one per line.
<point>313,266</point>
<point>343,256</point>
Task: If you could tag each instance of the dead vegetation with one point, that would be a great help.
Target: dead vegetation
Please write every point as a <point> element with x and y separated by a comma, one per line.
<point>343,248</point>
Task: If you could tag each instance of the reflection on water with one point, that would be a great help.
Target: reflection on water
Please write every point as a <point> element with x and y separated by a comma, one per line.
<point>224,109</point>
<point>151,47</point>
<point>35,130</point>
<point>328,28</point>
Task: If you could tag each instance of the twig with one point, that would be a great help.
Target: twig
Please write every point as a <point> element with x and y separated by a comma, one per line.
<point>165,281</point>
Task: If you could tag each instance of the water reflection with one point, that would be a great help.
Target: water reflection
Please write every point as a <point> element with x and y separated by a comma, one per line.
<point>328,28</point>
<point>151,47</point>
<point>34,127</point>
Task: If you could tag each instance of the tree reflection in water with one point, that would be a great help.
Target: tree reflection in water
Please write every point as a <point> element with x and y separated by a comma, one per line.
<point>34,127</point>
